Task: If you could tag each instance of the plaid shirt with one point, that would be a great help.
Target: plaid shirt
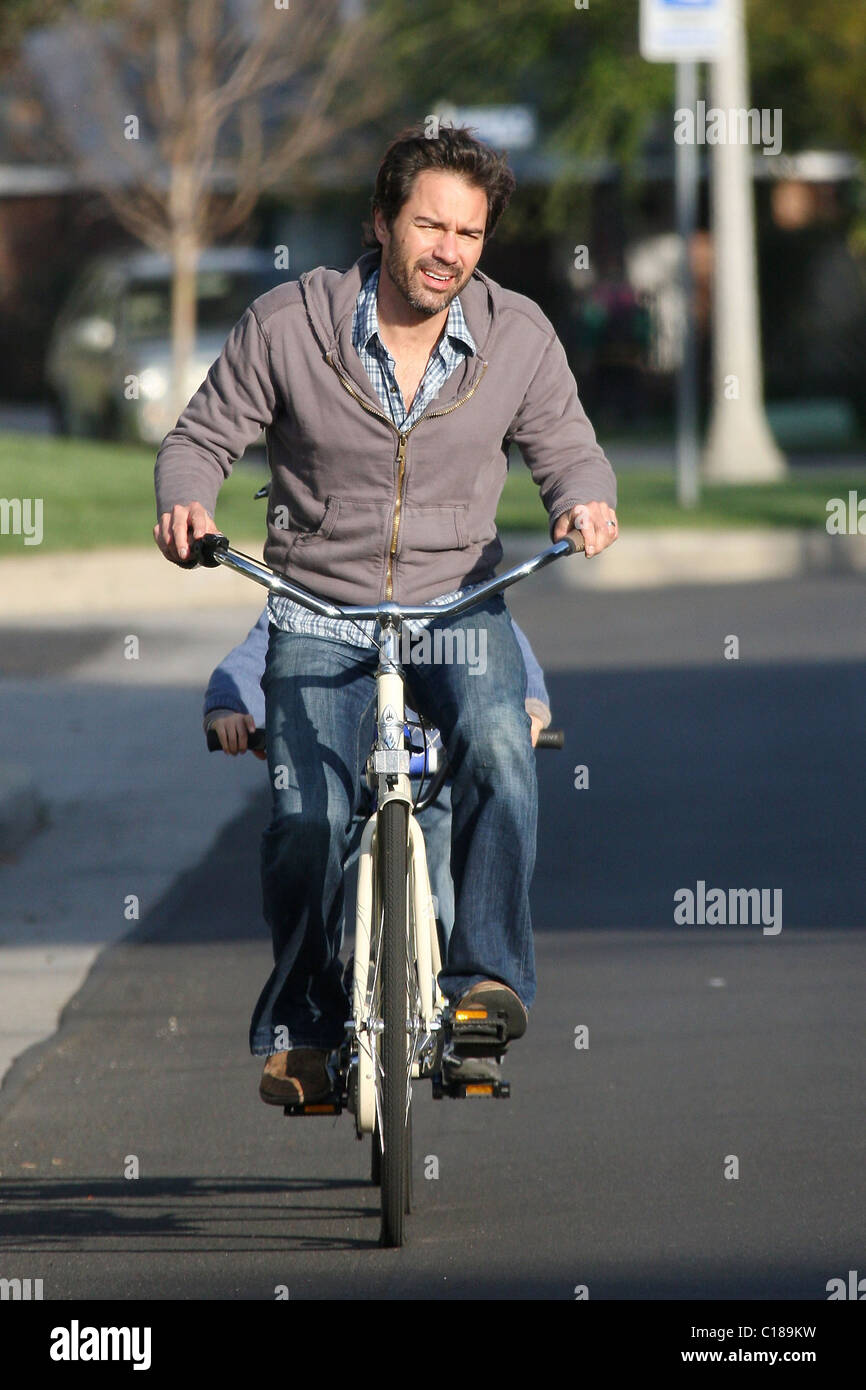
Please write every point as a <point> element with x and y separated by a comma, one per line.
<point>455,344</point>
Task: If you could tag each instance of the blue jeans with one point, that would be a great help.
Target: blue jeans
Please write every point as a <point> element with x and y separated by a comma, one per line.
<point>320,699</point>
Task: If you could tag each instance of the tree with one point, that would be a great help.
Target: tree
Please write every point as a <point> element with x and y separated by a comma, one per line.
<point>201,105</point>
<point>812,66</point>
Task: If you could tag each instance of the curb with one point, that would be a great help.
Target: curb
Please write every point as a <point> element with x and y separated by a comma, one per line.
<point>650,559</point>
<point>22,811</point>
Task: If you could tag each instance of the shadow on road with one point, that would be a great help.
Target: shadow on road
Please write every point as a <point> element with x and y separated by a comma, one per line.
<point>180,1214</point>
<point>742,778</point>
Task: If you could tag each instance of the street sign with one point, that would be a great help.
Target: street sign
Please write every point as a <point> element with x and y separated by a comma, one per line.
<point>683,31</point>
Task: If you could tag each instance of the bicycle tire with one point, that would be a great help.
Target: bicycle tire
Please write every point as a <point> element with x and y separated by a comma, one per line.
<point>376,1162</point>
<point>407,1203</point>
<point>393,838</point>
<point>376,1159</point>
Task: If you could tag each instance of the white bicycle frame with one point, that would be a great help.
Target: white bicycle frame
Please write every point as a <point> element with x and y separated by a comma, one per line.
<point>423,1014</point>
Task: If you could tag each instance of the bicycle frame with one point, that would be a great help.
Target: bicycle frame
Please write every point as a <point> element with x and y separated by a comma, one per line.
<point>389,763</point>
<point>406,925</point>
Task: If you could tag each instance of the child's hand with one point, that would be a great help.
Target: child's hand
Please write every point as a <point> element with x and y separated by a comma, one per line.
<point>232,730</point>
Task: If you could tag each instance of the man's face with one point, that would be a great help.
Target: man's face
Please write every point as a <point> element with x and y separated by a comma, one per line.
<point>439,229</point>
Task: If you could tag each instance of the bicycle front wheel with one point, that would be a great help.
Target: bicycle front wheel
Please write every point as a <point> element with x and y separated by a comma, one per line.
<point>392,837</point>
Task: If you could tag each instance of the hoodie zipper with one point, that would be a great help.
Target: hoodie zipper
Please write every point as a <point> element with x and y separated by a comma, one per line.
<point>403,437</point>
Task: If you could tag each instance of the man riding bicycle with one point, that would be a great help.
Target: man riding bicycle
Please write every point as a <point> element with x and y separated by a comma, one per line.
<point>390,395</point>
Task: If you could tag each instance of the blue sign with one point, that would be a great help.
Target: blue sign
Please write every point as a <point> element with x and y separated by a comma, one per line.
<point>678,31</point>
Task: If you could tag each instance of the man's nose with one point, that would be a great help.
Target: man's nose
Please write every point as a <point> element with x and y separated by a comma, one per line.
<point>446,247</point>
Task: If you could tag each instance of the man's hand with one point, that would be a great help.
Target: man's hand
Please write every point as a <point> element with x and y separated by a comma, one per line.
<point>595,521</point>
<point>232,730</point>
<point>536,728</point>
<point>175,529</point>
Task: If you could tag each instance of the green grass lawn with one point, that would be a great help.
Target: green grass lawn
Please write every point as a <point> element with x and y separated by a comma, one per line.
<point>100,494</point>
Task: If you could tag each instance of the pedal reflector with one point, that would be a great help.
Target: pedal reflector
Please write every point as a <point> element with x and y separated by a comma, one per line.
<point>469,1015</point>
<point>479,1088</point>
<point>325,1107</point>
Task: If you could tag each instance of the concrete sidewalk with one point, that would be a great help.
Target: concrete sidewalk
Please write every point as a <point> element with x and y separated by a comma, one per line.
<point>87,583</point>
<point>82,585</point>
<point>665,557</point>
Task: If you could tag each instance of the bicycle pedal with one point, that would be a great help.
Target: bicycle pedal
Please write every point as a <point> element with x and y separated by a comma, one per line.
<point>330,1105</point>
<point>466,1090</point>
<point>476,1026</point>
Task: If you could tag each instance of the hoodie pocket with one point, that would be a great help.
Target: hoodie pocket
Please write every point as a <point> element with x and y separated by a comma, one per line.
<point>318,531</point>
<point>433,528</point>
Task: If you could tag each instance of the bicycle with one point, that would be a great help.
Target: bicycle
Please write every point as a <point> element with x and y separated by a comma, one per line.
<point>401,1021</point>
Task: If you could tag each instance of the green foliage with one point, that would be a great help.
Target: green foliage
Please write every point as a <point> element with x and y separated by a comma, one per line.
<point>594,94</point>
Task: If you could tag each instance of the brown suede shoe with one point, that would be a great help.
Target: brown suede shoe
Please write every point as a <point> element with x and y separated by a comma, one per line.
<point>496,997</point>
<point>297,1077</point>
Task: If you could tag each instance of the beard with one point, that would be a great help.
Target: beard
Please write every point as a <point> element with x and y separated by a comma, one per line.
<point>418,296</point>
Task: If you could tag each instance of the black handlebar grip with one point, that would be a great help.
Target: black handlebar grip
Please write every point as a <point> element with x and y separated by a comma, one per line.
<point>255,741</point>
<point>550,738</point>
<point>202,551</point>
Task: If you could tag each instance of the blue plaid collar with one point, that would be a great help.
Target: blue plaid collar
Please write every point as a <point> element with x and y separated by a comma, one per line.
<point>367,318</point>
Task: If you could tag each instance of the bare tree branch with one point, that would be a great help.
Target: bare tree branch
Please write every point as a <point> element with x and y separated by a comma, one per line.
<point>277,98</point>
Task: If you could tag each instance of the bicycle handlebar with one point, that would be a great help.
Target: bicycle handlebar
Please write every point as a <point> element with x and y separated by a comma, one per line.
<point>214,549</point>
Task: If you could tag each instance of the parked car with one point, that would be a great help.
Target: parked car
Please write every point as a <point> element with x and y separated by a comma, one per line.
<point>116,324</point>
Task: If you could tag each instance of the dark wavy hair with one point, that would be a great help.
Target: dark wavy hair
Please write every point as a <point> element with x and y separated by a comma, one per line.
<point>453,149</point>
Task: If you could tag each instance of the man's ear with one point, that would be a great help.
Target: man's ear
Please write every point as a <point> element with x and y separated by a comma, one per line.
<point>381,230</point>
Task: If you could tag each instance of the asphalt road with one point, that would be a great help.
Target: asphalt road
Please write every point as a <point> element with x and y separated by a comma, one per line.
<point>711,1049</point>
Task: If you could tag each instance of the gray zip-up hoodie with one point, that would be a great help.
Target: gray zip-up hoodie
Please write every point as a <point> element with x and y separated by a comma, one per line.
<point>358,511</point>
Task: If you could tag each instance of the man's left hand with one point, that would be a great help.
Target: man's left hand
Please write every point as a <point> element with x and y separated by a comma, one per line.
<point>595,521</point>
